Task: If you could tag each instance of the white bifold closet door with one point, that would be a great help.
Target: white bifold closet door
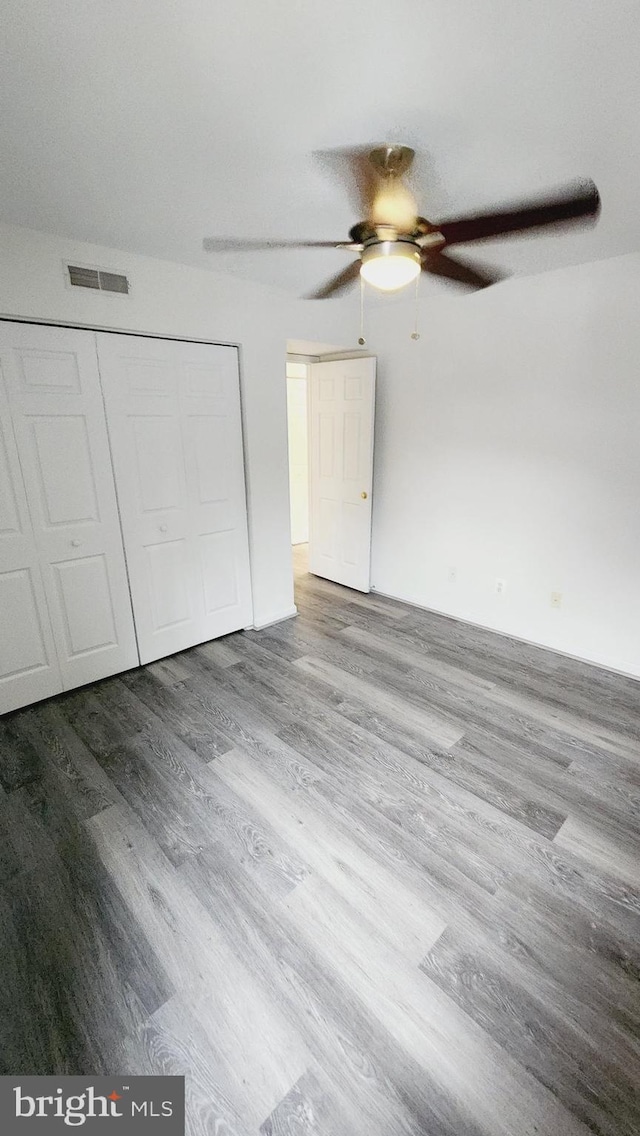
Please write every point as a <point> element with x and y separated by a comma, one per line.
<point>173,410</point>
<point>64,599</point>
<point>29,667</point>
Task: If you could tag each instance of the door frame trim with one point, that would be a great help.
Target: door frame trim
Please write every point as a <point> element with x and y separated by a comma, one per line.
<point>77,326</point>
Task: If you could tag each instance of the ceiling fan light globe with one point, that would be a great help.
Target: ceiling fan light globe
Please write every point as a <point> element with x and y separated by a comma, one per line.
<point>390,265</point>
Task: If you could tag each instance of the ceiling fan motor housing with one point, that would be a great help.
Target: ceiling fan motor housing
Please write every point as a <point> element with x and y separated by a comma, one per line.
<point>396,246</point>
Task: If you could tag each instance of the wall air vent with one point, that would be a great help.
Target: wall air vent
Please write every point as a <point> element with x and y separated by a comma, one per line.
<point>82,277</point>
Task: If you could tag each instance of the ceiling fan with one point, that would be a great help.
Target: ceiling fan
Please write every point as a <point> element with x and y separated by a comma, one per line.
<point>394,244</point>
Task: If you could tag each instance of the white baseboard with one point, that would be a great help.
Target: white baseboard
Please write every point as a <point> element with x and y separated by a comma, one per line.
<point>510,635</point>
<point>275,619</point>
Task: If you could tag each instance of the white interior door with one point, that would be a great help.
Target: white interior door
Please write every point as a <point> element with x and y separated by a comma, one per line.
<point>173,411</point>
<point>58,417</point>
<point>341,420</point>
<point>28,662</point>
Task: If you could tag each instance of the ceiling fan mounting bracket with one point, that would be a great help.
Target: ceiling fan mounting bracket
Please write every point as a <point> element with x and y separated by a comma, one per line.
<point>391,161</point>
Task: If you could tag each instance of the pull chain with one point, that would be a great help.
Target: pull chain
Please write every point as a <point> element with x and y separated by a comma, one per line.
<point>415,334</point>
<point>361,339</point>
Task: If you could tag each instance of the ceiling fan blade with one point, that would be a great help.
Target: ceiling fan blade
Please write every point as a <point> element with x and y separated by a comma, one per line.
<point>575,201</point>
<point>231,244</point>
<point>337,283</point>
<point>440,264</point>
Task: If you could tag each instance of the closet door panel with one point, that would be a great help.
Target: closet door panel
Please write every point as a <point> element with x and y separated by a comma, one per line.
<point>29,667</point>
<point>212,430</point>
<point>174,419</point>
<point>58,415</point>
<point>140,384</point>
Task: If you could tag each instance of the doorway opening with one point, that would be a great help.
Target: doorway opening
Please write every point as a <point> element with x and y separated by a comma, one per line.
<point>297,374</point>
<point>330,411</point>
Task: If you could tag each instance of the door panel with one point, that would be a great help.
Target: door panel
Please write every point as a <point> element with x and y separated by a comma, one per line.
<point>208,446</point>
<point>341,413</point>
<point>47,370</point>
<point>23,648</point>
<point>62,469</point>
<point>59,423</point>
<point>168,576</point>
<point>86,604</point>
<point>9,518</point>
<point>160,472</point>
<point>217,554</point>
<point>174,421</point>
<point>28,662</point>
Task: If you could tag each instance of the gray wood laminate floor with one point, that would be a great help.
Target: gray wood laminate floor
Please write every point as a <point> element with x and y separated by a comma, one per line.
<point>370,872</point>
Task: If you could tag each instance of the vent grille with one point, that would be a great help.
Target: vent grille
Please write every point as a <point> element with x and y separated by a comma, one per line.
<point>95,278</point>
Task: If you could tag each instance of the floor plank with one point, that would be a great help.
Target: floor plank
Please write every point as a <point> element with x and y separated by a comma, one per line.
<point>258,1054</point>
<point>588,1065</point>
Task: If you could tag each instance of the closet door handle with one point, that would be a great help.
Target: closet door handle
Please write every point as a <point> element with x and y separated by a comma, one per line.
<point>163,528</point>
<point>76,543</point>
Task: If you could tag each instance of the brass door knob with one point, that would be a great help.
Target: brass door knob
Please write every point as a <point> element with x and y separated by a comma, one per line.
<point>363,495</point>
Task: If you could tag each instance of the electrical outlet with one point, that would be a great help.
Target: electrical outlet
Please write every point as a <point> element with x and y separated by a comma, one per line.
<point>501,587</point>
<point>452,574</point>
<point>556,599</point>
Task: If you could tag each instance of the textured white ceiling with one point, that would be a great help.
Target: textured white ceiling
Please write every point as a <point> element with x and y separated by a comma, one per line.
<point>148,124</point>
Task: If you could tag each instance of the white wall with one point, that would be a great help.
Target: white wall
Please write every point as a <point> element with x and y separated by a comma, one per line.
<point>298,454</point>
<point>508,445</point>
<point>172,299</point>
